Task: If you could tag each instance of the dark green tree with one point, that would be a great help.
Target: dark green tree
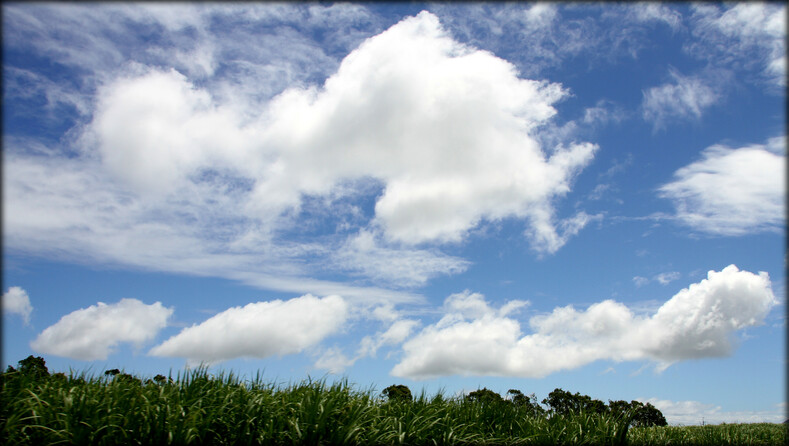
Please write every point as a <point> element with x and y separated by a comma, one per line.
<point>619,408</point>
<point>397,392</point>
<point>33,366</point>
<point>111,372</point>
<point>562,402</point>
<point>485,396</point>
<point>518,399</point>
<point>593,405</point>
<point>647,415</point>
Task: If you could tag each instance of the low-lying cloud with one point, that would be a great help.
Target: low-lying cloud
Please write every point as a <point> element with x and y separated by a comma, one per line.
<point>259,330</point>
<point>93,333</point>
<point>687,413</point>
<point>698,322</point>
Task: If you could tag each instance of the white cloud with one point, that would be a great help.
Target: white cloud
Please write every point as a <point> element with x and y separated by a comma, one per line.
<point>662,278</point>
<point>685,97</point>
<point>689,413</point>
<point>544,236</point>
<point>445,127</point>
<point>155,129</point>
<point>474,339</point>
<point>398,266</point>
<point>732,191</point>
<point>179,174</point>
<point>743,35</point>
<point>16,301</point>
<point>71,209</point>
<point>334,360</point>
<point>603,112</point>
<point>557,34</point>
<point>397,332</point>
<point>259,330</point>
<point>655,12</point>
<point>666,278</point>
<point>93,333</point>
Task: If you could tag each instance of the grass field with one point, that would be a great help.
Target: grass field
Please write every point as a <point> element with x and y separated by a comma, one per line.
<point>196,408</point>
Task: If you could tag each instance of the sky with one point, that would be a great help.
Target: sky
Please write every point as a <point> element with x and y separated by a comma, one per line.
<point>447,196</point>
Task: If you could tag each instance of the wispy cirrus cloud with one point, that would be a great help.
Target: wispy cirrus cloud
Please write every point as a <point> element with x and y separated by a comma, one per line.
<point>743,36</point>
<point>732,191</point>
<point>558,34</point>
<point>398,266</point>
<point>685,97</point>
<point>662,278</point>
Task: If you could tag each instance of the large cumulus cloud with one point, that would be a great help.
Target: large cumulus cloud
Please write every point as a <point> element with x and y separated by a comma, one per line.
<point>208,181</point>
<point>448,129</point>
<point>697,322</point>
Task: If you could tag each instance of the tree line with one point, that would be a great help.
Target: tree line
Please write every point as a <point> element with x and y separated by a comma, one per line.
<point>558,402</point>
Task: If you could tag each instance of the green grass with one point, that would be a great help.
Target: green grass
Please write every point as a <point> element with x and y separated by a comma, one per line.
<point>197,408</point>
<point>723,434</point>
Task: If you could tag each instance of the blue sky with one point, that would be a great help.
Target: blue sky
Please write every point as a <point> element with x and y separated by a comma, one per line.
<point>450,197</point>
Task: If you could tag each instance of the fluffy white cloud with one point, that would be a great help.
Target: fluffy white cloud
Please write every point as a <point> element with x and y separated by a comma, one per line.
<point>16,301</point>
<point>698,322</point>
<point>447,129</point>
<point>732,191</point>
<point>154,129</point>
<point>685,97</point>
<point>259,330</point>
<point>196,174</point>
<point>93,333</point>
<point>689,413</point>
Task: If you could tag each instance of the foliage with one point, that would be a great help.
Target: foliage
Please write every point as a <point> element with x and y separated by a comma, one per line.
<point>529,403</point>
<point>199,409</point>
<point>640,414</point>
<point>397,392</point>
<point>33,366</point>
<point>646,415</point>
<point>562,402</point>
<point>485,396</point>
<point>757,434</point>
